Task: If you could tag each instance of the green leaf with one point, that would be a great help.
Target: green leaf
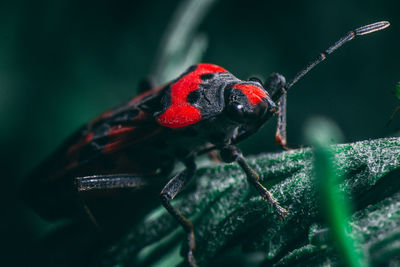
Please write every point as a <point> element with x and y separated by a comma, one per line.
<point>234,225</point>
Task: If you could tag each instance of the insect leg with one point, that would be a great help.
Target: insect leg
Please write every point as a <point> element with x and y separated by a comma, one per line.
<point>231,153</point>
<point>173,187</point>
<point>104,182</point>
<point>273,85</point>
<point>280,135</point>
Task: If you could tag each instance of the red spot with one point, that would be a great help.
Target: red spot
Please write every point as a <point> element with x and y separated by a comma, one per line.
<point>180,116</point>
<point>254,93</point>
<point>181,113</point>
<point>128,138</point>
<point>119,129</point>
<point>113,146</point>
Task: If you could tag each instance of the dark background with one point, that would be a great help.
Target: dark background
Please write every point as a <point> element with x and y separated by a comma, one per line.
<point>63,62</point>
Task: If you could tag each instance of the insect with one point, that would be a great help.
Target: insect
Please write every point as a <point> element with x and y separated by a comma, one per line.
<point>205,109</point>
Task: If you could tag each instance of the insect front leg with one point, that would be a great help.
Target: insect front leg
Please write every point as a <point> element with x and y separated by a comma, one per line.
<point>280,134</point>
<point>230,154</point>
<point>171,189</point>
<point>275,85</point>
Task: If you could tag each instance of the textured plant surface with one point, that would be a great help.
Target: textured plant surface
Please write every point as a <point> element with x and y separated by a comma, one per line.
<point>234,225</point>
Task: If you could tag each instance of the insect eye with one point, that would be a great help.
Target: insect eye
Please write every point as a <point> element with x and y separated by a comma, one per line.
<point>237,106</point>
<point>237,111</point>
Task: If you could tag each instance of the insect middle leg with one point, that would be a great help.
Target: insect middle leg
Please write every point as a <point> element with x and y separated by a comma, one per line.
<point>171,189</point>
<point>231,153</point>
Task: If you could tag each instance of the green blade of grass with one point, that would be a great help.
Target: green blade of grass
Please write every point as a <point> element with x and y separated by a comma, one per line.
<point>334,206</point>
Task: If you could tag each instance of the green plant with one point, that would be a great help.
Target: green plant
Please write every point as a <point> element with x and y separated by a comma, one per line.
<point>227,213</point>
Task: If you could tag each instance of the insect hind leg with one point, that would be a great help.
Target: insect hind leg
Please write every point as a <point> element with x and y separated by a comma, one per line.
<point>106,182</point>
<point>103,182</point>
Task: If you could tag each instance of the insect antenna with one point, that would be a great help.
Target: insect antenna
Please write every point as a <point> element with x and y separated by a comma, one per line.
<point>370,28</point>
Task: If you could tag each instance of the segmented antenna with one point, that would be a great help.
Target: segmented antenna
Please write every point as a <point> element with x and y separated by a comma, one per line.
<point>348,37</point>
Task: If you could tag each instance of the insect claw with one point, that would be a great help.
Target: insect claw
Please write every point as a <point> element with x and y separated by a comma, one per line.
<point>282,212</point>
<point>191,259</point>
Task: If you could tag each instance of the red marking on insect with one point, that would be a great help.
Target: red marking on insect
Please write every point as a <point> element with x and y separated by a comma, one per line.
<point>114,146</point>
<point>119,129</point>
<point>180,116</point>
<point>254,94</point>
<point>128,137</point>
<point>120,137</point>
<point>181,113</point>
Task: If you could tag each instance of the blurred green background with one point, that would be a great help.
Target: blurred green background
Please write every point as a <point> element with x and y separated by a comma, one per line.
<point>64,62</point>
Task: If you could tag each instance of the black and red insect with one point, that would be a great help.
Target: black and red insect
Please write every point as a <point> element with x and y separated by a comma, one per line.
<point>205,109</point>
